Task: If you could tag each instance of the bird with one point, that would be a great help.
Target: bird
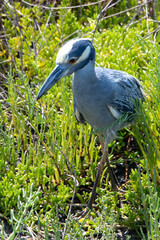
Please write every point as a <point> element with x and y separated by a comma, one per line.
<point>104,98</point>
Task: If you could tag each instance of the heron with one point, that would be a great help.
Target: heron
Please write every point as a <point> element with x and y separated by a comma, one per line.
<point>101,96</point>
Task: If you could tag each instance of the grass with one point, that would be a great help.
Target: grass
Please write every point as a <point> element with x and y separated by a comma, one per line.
<point>45,154</point>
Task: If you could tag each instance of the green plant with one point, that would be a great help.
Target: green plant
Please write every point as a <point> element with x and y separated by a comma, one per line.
<point>39,139</point>
<point>26,209</point>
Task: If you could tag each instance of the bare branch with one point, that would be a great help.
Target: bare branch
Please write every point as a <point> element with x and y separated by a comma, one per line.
<point>100,14</point>
<point>127,10</point>
<point>50,14</point>
<point>7,2</point>
<point>132,23</point>
<point>146,7</point>
<point>58,8</point>
<point>14,21</point>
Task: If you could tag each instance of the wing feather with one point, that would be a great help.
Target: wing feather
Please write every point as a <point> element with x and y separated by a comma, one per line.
<point>78,114</point>
<point>128,94</point>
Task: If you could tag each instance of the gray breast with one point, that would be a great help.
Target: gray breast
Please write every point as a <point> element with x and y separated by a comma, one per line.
<point>91,98</point>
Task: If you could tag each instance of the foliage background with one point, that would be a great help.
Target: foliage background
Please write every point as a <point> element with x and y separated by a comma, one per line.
<point>44,152</point>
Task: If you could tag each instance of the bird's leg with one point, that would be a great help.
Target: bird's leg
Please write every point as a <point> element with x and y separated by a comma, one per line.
<point>111,174</point>
<point>98,175</point>
<point>101,141</point>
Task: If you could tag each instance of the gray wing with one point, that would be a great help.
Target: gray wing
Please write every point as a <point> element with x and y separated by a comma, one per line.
<point>77,113</point>
<point>128,93</point>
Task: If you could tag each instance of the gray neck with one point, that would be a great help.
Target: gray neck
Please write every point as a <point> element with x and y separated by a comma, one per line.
<point>86,74</point>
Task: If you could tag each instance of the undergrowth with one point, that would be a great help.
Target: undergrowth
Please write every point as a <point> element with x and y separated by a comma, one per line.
<point>45,154</point>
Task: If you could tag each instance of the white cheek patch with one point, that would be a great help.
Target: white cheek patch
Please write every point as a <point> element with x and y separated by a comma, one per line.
<point>84,55</point>
<point>62,56</point>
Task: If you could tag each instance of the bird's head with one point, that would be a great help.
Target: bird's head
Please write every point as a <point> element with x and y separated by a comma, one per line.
<point>74,55</point>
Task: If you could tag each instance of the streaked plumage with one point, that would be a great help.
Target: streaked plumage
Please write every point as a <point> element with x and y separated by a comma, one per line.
<point>101,96</point>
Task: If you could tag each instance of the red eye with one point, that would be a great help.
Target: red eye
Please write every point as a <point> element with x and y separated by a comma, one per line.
<point>72,60</point>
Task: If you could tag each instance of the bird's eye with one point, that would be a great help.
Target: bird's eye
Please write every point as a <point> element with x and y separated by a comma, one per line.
<point>72,60</point>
